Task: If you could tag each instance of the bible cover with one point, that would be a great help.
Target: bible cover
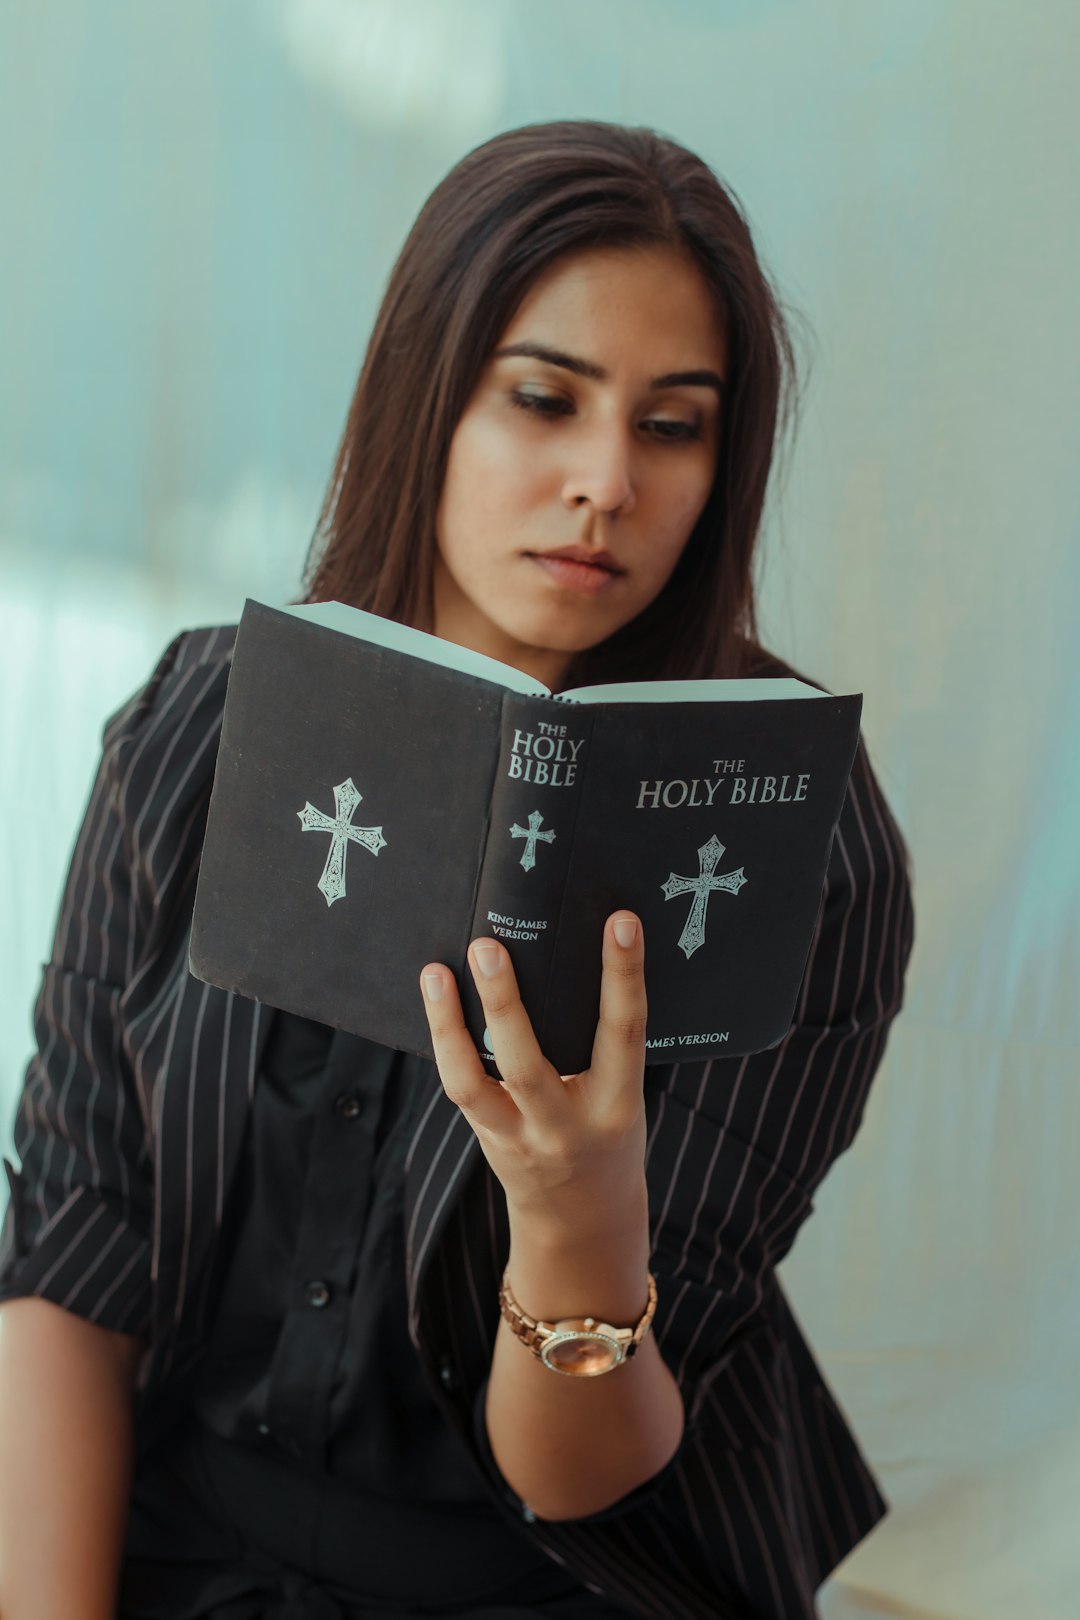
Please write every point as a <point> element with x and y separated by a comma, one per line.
<point>382,797</point>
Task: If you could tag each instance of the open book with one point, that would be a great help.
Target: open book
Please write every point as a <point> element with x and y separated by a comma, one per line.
<point>382,797</point>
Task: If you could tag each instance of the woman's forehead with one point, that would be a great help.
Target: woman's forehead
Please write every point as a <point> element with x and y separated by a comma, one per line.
<point>653,300</point>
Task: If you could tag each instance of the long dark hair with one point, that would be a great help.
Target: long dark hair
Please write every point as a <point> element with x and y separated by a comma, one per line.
<point>499,219</point>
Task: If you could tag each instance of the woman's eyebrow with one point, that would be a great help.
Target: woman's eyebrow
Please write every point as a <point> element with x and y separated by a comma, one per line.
<point>588,368</point>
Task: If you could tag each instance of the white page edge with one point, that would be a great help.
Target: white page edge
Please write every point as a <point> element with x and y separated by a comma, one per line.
<point>364,626</point>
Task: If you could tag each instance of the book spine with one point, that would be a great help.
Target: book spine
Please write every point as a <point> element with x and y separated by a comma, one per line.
<point>536,795</point>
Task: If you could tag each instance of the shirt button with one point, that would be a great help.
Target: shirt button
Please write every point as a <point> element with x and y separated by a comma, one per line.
<point>264,1428</point>
<point>317,1294</point>
<point>528,1515</point>
<point>447,1375</point>
<point>348,1106</point>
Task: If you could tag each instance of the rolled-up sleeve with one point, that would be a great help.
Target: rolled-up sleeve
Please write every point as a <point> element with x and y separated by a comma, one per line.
<point>738,1147</point>
<point>79,1222</point>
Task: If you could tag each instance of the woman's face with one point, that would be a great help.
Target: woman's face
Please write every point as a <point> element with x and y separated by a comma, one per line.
<point>604,437</point>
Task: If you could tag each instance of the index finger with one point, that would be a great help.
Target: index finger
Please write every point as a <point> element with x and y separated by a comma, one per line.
<point>619,1044</point>
<point>462,1074</point>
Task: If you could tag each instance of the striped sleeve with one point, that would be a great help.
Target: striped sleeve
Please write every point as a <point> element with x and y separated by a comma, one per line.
<point>766,1492</point>
<point>738,1146</point>
<point>79,1221</point>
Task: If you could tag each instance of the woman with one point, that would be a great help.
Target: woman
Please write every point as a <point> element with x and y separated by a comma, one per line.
<point>251,1265</point>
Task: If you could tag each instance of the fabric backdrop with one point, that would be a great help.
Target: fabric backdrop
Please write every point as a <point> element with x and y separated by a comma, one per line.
<point>200,205</point>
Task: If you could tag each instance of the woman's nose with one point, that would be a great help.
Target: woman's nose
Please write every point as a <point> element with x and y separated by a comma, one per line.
<point>602,472</point>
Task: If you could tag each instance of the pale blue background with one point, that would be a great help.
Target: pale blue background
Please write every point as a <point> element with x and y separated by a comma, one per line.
<point>200,204</point>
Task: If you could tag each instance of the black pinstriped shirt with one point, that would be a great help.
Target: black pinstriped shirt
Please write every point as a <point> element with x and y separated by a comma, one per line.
<point>137,1103</point>
<point>309,1365</point>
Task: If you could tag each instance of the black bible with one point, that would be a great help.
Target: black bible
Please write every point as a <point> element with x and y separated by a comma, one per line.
<point>382,797</point>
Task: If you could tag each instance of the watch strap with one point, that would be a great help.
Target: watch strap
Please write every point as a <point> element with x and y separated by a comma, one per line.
<point>535,1333</point>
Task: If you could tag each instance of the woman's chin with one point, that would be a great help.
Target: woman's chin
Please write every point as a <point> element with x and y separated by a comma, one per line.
<point>565,623</point>
<point>546,636</point>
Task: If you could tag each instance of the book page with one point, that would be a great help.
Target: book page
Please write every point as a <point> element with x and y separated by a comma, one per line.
<point>352,621</point>
<point>733,691</point>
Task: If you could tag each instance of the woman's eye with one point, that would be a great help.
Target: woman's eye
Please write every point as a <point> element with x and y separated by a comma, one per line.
<point>676,430</point>
<point>662,427</point>
<point>544,404</point>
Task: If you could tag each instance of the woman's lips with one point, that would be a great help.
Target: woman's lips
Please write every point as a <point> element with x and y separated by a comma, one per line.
<point>587,578</point>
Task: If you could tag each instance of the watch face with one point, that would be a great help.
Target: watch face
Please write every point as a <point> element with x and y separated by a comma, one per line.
<point>581,1354</point>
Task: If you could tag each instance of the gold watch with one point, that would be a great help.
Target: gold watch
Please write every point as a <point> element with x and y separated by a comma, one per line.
<point>578,1345</point>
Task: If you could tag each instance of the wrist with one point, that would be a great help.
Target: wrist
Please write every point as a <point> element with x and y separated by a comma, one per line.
<point>556,1272</point>
<point>598,1222</point>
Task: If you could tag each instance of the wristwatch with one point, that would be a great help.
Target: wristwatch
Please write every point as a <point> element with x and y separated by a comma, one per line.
<point>578,1345</point>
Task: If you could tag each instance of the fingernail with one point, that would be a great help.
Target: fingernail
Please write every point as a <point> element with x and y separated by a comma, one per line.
<point>487,959</point>
<point>625,930</point>
<point>433,986</point>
